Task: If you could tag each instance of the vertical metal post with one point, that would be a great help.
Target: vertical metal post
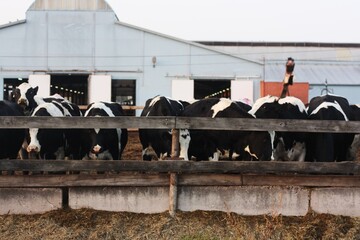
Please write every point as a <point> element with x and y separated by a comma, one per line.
<point>173,194</point>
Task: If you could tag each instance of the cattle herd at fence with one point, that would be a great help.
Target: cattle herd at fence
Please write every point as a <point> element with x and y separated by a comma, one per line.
<point>195,144</point>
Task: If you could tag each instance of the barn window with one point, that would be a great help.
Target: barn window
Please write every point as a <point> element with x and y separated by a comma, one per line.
<point>123,92</point>
<point>72,87</point>
<point>211,88</point>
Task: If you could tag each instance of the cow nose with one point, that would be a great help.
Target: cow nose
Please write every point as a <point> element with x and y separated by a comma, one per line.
<point>22,101</point>
<point>96,149</point>
<point>32,148</point>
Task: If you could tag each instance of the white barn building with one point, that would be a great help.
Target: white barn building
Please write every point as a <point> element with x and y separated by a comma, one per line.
<point>81,50</point>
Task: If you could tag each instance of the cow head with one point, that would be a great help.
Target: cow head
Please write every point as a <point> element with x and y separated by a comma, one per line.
<point>24,95</point>
<point>102,144</point>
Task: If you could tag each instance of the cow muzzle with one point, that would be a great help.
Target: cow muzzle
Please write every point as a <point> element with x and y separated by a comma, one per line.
<point>23,102</point>
<point>96,149</point>
<point>33,149</point>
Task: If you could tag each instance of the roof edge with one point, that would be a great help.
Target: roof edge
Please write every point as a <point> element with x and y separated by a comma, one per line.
<point>278,44</point>
<point>10,24</point>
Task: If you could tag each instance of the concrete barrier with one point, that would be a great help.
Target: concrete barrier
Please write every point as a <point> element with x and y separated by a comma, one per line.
<point>336,201</point>
<point>287,201</point>
<point>29,200</point>
<point>121,199</point>
<point>243,200</point>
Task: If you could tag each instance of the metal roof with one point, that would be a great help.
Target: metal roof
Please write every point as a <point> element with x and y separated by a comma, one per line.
<point>335,73</point>
<point>70,5</point>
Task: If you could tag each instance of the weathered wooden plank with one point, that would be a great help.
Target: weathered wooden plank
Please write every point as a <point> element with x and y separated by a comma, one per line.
<point>85,180</point>
<point>208,179</point>
<point>268,124</point>
<point>181,122</point>
<point>88,122</point>
<point>155,180</point>
<point>176,166</point>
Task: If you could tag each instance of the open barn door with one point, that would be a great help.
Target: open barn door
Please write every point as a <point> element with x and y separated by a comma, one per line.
<point>99,88</point>
<point>182,89</point>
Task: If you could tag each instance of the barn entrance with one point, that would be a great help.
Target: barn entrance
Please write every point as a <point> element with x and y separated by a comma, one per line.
<point>123,92</point>
<point>212,88</point>
<point>73,87</point>
<point>9,86</point>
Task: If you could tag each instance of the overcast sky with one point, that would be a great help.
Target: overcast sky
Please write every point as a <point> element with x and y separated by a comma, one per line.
<point>232,20</point>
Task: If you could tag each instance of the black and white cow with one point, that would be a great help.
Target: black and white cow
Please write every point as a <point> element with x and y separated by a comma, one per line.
<point>156,143</point>
<point>104,144</point>
<point>47,143</point>
<point>206,144</point>
<point>11,139</point>
<point>26,96</point>
<point>329,147</point>
<point>287,146</point>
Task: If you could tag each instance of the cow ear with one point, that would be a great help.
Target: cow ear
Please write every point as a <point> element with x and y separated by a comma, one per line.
<point>36,90</point>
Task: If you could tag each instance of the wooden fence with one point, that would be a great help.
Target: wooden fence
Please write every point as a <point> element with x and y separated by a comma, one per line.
<point>175,173</point>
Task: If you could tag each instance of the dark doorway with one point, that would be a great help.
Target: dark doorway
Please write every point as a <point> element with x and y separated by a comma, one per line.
<point>73,87</point>
<point>123,92</point>
<point>9,86</point>
<point>212,88</point>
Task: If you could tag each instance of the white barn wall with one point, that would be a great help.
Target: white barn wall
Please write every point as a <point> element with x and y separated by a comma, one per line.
<point>94,42</point>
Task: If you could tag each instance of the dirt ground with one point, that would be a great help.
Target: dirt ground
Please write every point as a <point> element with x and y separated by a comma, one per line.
<point>199,225</point>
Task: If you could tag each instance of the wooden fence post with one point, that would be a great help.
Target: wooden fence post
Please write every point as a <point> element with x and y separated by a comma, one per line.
<point>173,194</point>
<point>175,144</point>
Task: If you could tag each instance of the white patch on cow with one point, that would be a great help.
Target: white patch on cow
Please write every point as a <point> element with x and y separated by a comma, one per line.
<point>34,143</point>
<point>39,100</point>
<point>184,140</point>
<point>215,157</point>
<point>272,137</point>
<point>163,156</point>
<point>50,108</point>
<point>157,98</point>
<point>247,149</point>
<point>96,148</point>
<point>221,106</point>
<point>102,106</point>
<point>24,87</point>
<point>294,101</point>
<point>152,103</point>
<point>357,105</point>
<point>57,96</point>
<point>260,102</point>
<point>327,105</point>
